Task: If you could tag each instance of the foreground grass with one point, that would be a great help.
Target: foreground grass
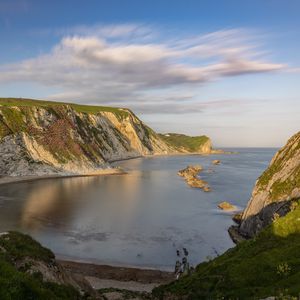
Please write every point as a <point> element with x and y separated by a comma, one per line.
<point>268,265</point>
<point>15,284</point>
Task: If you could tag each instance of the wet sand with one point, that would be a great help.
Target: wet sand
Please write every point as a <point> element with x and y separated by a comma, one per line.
<point>127,278</point>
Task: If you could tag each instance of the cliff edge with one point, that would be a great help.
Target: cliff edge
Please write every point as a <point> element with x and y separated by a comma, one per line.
<point>274,190</point>
<point>42,137</point>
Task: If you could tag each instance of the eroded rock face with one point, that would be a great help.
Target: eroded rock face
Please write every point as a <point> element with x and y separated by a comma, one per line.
<point>40,140</point>
<point>274,190</point>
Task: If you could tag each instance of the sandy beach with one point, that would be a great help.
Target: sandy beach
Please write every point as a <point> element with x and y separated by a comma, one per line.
<point>105,276</point>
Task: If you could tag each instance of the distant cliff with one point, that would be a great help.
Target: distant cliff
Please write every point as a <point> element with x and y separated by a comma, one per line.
<point>42,137</point>
<point>274,189</point>
<point>188,144</point>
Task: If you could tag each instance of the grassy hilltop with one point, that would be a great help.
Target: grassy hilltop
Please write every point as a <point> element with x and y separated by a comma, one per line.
<point>185,142</point>
<point>91,109</point>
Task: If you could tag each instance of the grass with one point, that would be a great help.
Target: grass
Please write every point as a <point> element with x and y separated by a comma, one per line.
<point>181,141</point>
<point>19,246</point>
<point>268,265</point>
<point>90,109</point>
<point>15,284</point>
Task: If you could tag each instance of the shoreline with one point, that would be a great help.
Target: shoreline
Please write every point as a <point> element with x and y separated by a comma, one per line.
<point>19,179</point>
<point>117,277</point>
<point>4,179</point>
<point>119,273</point>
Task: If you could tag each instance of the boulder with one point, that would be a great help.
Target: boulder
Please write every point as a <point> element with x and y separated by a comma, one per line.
<point>226,206</point>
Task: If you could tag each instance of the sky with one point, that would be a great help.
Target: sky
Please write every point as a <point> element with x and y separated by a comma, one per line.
<point>226,69</point>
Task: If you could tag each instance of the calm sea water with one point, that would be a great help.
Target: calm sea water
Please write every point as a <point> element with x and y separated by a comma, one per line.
<point>137,219</point>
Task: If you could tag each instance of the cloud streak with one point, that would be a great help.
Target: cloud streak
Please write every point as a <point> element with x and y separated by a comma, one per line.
<point>128,62</point>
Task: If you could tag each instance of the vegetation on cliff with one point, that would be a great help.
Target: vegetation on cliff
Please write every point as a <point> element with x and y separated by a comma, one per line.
<point>52,137</point>
<point>187,143</point>
<point>92,109</point>
<point>274,189</point>
<point>283,186</point>
<point>268,265</point>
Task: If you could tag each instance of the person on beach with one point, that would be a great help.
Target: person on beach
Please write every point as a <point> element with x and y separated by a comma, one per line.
<point>186,253</point>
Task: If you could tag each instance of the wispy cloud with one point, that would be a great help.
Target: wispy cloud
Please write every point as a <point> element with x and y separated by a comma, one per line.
<point>126,63</point>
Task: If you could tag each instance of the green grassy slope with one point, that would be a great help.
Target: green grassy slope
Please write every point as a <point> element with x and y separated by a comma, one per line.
<point>282,187</point>
<point>8,102</point>
<point>268,265</point>
<point>17,284</point>
<point>190,143</point>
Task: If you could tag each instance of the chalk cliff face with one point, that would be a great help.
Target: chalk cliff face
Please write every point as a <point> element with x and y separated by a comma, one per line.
<point>38,139</point>
<point>274,189</point>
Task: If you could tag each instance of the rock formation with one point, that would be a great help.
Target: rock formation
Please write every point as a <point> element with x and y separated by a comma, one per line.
<point>226,206</point>
<point>190,175</point>
<point>216,162</point>
<point>274,190</point>
<point>41,138</point>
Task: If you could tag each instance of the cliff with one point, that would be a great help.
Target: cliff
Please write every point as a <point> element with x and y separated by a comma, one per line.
<point>266,267</point>
<point>274,190</point>
<point>188,144</point>
<point>42,137</point>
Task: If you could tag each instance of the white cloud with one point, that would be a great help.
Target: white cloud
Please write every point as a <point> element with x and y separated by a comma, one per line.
<point>127,62</point>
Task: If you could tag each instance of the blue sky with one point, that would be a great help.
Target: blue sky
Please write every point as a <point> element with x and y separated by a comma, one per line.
<point>228,69</point>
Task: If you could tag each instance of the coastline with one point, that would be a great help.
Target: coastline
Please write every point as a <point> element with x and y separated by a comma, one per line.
<point>4,179</point>
<point>117,277</point>
<point>101,172</point>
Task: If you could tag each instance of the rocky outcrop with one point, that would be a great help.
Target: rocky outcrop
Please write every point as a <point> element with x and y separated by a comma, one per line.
<point>226,206</point>
<point>274,190</point>
<point>190,174</point>
<point>216,162</point>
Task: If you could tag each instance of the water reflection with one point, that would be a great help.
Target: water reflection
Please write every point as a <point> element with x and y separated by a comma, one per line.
<point>139,218</point>
<point>53,202</point>
<point>58,202</point>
